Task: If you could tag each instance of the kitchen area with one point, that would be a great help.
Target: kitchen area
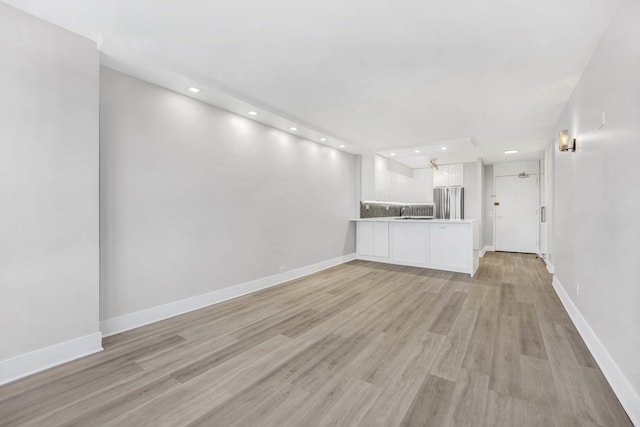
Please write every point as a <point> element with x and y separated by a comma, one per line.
<point>424,217</point>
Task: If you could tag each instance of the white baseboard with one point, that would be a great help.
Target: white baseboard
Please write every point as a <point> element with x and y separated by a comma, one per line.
<point>628,396</point>
<point>48,357</point>
<point>486,249</point>
<point>550,267</point>
<point>144,317</point>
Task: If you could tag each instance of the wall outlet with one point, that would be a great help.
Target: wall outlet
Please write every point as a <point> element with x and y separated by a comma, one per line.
<point>283,268</point>
<point>366,206</point>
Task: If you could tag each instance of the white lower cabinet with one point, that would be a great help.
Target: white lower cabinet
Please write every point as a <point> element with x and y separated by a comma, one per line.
<point>411,244</point>
<point>441,246</point>
<point>450,246</point>
<point>381,239</point>
<point>364,238</point>
<point>373,239</point>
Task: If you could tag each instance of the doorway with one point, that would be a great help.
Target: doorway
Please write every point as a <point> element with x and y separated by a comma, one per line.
<point>516,213</point>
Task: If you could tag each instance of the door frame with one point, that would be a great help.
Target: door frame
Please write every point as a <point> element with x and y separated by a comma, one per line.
<point>493,207</point>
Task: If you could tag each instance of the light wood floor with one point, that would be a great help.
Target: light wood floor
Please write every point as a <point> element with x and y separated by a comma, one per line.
<point>361,344</point>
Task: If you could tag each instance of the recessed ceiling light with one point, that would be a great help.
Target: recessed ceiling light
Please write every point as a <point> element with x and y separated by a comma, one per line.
<point>393,154</point>
<point>193,89</point>
<point>511,152</point>
<point>341,145</point>
<point>323,139</point>
<point>253,113</point>
<point>417,151</point>
<point>443,148</point>
<point>293,128</point>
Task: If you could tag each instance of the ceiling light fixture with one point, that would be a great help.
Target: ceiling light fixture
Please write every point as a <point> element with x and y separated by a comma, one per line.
<point>416,151</point>
<point>341,145</point>
<point>193,89</point>
<point>510,151</point>
<point>393,154</point>
<point>253,113</point>
<point>323,139</point>
<point>443,148</point>
<point>433,165</point>
<point>293,128</point>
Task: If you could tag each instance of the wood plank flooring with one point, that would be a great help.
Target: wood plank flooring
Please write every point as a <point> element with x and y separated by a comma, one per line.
<point>361,344</point>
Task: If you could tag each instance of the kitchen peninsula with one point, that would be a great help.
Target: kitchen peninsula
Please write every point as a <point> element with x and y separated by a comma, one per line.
<point>441,244</point>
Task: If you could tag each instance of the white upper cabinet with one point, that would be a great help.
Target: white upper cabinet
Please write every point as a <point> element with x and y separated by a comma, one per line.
<point>456,175</point>
<point>441,176</point>
<point>449,176</point>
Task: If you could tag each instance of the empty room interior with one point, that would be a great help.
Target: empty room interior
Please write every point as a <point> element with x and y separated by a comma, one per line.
<point>319,213</point>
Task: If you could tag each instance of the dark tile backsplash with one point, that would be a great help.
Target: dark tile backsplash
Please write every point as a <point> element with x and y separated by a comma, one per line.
<point>418,210</point>
<point>378,209</point>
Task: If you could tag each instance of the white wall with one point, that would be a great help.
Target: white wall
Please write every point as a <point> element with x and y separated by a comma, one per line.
<point>480,205</point>
<point>488,200</point>
<point>48,191</point>
<point>473,198</point>
<point>471,191</point>
<point>549,165</point>
<point>196,199</point>
<point>530,167</point>
<point>596,217</point>
<point>544,202</point>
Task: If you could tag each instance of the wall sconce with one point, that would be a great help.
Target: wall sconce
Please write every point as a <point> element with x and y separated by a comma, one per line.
<point>564,144</point>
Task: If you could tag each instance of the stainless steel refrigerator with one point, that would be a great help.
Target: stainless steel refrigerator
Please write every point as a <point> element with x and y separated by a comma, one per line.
<point>448,202</point>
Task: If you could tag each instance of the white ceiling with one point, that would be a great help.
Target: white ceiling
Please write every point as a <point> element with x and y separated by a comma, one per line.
<point>376,75</point>
<point>460,150</point>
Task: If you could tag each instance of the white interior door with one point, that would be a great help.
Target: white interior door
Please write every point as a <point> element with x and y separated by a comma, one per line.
<point>516,215</point>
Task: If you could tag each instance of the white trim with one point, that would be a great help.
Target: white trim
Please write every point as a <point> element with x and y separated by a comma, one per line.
<point>550,267</point>
<point>628,396</point>
<point>154,314</point>
<point>48,357</point>
<point>486,249</point>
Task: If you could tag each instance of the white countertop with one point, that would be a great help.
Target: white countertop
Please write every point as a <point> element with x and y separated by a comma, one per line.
<point>424,221</point>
